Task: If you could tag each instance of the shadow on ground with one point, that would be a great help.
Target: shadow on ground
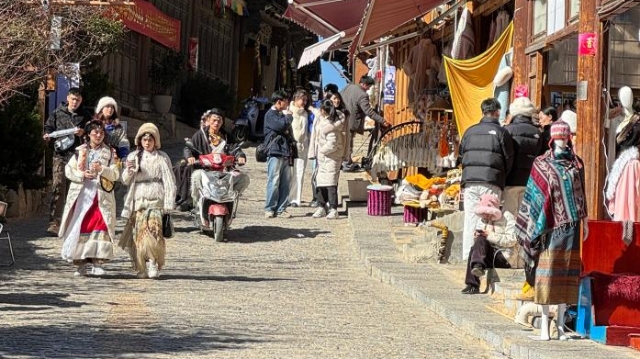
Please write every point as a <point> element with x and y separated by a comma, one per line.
<point>76,341</point>
<point>253,234</point>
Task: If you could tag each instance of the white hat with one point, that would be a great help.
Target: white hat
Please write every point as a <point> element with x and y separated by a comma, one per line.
<point>106,101</point>
<point>151,129</point>
<point>570,118</point>
<point>522,106</point>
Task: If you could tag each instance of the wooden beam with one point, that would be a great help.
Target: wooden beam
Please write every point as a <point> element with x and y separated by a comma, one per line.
<point>590,122</point>
<point>520,42</point>
<point>489,7</point>
<point>84,2</point>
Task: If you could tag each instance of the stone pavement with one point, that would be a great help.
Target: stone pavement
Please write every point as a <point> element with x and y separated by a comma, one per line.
<point>280,288</point>
<point>437,288</point>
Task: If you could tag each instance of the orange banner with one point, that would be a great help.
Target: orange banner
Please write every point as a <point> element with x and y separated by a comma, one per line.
<point>147,20</point>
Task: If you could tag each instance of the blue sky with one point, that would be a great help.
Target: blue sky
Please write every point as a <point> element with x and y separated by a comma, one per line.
<point>330,75</point>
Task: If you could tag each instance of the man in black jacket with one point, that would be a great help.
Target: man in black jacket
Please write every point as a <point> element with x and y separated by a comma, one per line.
<point>278,139</point>
<point>66,117</point>
<point>527,145</point>
<point>487,156</point>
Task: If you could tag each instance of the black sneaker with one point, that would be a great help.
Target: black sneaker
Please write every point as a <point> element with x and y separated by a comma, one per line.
<point>470,290</point>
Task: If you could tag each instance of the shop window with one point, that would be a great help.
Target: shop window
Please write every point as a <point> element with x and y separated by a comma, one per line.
<point>539,18</point>
<point>624,50</point>
<point>562,62</point>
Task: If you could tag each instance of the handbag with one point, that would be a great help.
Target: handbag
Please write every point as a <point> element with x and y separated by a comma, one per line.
<point>293,149</point>
<point>106,184</point>
<point>167,226</point>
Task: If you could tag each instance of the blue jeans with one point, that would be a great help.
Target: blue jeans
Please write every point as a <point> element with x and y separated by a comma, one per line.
<point>278,184</point>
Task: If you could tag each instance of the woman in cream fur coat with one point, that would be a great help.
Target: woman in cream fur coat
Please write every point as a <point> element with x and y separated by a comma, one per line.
<point>152,192</point>
<point>89,219</point>
<point>329,145</point>
<point>301,135</point>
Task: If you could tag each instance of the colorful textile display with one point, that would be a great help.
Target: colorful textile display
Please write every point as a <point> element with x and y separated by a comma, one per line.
<point>471,81</point>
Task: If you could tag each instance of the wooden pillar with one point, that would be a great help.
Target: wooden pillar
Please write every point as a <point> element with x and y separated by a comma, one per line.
<point>589,109</point>
<point>520,40</point>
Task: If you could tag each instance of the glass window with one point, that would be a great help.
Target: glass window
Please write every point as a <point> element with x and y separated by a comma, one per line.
<point>574,9</point>
<point>539,17</point>
<point>555,16</point>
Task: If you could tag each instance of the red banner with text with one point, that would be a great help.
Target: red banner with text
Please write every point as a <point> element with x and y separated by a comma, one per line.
<point>147,20</point>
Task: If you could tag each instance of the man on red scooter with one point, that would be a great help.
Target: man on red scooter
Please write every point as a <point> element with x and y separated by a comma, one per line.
<point>210,139</point>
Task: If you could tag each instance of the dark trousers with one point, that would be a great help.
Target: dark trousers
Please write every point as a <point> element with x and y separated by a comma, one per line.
<point>327,194</point>
<point>483,253</point>
<point>530,274</point>
<point>182,171</point>
<point>59,186</point>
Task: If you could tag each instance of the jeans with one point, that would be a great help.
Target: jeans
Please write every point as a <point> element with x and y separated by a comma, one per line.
<point>278,184</point>
<point>472,193</point>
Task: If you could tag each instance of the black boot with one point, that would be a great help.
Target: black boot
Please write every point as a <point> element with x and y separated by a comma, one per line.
<point>470,290</point>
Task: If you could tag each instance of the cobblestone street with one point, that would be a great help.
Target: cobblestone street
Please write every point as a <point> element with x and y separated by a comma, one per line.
<point>280,288</point>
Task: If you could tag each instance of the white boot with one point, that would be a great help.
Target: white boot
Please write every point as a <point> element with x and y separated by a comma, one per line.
<point>153,270</point>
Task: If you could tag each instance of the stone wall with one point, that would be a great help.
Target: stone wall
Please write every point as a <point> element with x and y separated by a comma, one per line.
<point>25,203</point>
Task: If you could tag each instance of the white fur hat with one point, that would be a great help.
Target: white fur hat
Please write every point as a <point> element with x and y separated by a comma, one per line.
<point>106,101</point>
<point>522,106</point>
<point>571,118</point>
<point>151,129</point>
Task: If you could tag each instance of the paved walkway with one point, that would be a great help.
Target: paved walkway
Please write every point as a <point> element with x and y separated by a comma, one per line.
<point>280,288</point>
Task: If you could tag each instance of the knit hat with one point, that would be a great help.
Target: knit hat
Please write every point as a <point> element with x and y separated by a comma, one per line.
<point>522,106</point>
<point>560,130</point>
<point>489,207</point>
<point>151,129</point>
<point>106,101</point>
<point>571,118</point>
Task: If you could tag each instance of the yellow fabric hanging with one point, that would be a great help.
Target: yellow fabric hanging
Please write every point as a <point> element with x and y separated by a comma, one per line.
<point>471,81</point>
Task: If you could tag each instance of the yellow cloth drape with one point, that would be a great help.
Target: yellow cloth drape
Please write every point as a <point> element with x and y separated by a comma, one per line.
<point>471,81</point>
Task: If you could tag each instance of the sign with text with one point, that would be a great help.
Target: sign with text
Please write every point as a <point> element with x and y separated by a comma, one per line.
<point>147,20</point>
<point>587,44</point>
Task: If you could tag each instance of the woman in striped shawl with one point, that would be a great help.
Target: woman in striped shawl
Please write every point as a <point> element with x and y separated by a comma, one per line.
<point>548,225</point>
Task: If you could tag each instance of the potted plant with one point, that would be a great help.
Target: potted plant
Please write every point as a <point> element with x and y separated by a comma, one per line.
<point>164,72</point>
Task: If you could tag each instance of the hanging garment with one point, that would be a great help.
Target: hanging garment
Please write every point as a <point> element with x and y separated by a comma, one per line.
<point>471,81</point>
<point>502,83</point>
<point>422,66</point>
<point>464,40</point>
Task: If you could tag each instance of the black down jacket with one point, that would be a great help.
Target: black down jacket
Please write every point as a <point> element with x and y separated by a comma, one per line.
<point>527,145</point>
<point>487,153</point>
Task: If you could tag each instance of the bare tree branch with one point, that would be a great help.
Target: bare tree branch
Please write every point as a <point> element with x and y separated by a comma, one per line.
<point>26,56</point>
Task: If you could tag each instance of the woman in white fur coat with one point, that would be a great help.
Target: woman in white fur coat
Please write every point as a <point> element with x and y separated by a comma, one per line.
<point>329,145</point>
<point>89,218</point>
<point>301,135</point>
<point>152,192</point>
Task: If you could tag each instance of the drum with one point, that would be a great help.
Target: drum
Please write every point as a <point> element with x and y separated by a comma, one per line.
<point>379,200</point>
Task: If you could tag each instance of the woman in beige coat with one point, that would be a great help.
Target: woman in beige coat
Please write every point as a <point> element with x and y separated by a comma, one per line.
<point>89,219</point>
<point>152,193</point>
<point>329,143</point>
<point>301,135</point>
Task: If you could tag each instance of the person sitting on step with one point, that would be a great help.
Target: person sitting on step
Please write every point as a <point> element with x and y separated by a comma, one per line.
<point>494,242</point>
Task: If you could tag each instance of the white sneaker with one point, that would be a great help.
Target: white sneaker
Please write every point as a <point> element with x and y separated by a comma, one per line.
<point>153,269</point>
<point>97,270</point>
<point>319,213</point>
<point>333,214</point>
<point>81,270</point>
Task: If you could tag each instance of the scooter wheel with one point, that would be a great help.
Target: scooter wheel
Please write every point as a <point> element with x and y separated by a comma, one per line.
<point>240,134</point>
<point>218,229</point>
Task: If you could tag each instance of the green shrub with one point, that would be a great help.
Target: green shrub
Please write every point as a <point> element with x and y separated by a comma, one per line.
<point>200,93</point>
<point>22,147</point>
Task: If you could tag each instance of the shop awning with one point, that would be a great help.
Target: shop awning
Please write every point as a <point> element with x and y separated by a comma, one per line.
<point>326,17</point>
<point>311,53</point>
<point>382,17</point>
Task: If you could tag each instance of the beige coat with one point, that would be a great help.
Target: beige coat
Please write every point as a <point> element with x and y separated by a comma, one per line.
<point>106,201</point>
<point>329,143</point>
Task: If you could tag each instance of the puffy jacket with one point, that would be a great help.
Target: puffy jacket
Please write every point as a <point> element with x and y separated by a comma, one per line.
<point>487,153</point>
<point>527,145</point>
<point>277,127</point>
